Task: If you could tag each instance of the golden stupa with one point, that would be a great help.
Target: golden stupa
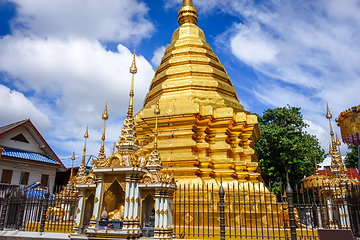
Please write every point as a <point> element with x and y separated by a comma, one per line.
<point>204,132</point>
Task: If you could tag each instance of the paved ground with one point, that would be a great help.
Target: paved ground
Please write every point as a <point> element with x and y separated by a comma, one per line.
<point>20,235</point>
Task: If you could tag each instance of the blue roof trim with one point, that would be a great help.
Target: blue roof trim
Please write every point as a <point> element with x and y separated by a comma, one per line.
<point>17,153</point>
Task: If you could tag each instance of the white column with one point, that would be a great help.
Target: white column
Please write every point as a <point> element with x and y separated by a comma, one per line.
<point>166,212</point>
<point>97,202</point>
<point>131,202</point>
<point>344,216</point>
<point>161,220</point>
<point>170,220</point>
<point>330,213</point>
<point>127,200</point>
<point>136,202</point>
<point>79,215</point>
<point>157,210</point>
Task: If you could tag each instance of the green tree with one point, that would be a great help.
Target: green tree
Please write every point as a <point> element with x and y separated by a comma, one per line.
<point>351,158</point>
<point>285,146</point>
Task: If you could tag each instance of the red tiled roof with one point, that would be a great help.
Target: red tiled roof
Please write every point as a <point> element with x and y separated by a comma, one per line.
<point>351,173</point>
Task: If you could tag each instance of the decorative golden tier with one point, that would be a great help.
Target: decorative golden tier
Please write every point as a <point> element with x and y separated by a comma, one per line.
<point>349,123</point>
<point>204,131</point>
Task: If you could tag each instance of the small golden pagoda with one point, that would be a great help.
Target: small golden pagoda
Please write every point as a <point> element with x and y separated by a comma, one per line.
<point>315,180</point>
<point>204,131</point>
<point>125,193</point>
<point>335,186</point>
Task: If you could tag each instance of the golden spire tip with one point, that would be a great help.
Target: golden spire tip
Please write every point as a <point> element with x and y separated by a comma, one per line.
<point>133,68</point>
<point>105,116</point>
<point>328,114</point>
<point>86,133</point>
<point>187,3</point>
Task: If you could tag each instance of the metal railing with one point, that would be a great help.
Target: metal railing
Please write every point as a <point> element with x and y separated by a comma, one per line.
<point>36,210</point>
<point>250,210</point>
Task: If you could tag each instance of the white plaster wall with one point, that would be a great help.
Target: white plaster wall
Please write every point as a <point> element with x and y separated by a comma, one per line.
<point>32,146</point>
<point>35,171</point>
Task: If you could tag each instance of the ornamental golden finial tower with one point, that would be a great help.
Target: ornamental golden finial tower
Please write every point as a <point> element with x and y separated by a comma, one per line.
<point>203,130</point>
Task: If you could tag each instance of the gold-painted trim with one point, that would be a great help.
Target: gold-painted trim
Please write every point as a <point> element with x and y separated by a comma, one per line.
<point>96,199</point>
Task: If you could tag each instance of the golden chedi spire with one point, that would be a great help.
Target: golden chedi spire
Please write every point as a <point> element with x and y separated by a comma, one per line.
<point>69,190</point>
<point>133,71</point>
<point>127,138</point>
<point>102,155</point>
<point>205,131</point>
<point>337,166</point>
<point>82,169</point>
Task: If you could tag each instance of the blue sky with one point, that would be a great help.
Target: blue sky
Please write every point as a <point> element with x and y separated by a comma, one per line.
<point>62,60</point>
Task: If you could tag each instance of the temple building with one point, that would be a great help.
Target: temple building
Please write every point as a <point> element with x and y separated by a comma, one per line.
<point>192,130</point>
<point>204,132</point>
<point>126,193</point>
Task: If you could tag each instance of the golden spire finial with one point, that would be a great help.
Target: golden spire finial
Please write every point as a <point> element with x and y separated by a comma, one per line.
<point>187,13</point>
<point>133,71</point>
<point>316,166</point>
<point>86,135</point>
<point>187,3</point>
<point>72,167</point>
<point>156,112</point>
<point>133,68</point>
<point>105,116</point>
<point>329,116</point>
<point>82,169</point>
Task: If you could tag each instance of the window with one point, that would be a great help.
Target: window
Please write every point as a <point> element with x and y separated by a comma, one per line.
<point>44,179</point>
<point>24,178</point>
<point>6,176</point>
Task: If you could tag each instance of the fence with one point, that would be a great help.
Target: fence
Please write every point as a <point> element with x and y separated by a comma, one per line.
<point>250,210</point>
<point>242,211</point>
<point>36,210</point>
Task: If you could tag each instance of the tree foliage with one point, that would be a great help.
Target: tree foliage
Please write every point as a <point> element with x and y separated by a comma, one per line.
<point>285,146</point>
<point>351,158</point>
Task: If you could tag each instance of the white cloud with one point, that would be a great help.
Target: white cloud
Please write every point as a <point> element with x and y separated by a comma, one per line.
<point>158,54</point>
<point>54,56</point>
<point>110,20</point>
<point>251,45</point>
<point>14,107</point>
<point>76,77</point>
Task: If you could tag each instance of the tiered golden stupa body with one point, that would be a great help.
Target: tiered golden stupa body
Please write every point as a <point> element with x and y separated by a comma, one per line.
<point>204,131</point>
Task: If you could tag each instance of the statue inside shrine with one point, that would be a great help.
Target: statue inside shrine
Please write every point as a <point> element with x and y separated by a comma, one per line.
<point>117,213</point>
